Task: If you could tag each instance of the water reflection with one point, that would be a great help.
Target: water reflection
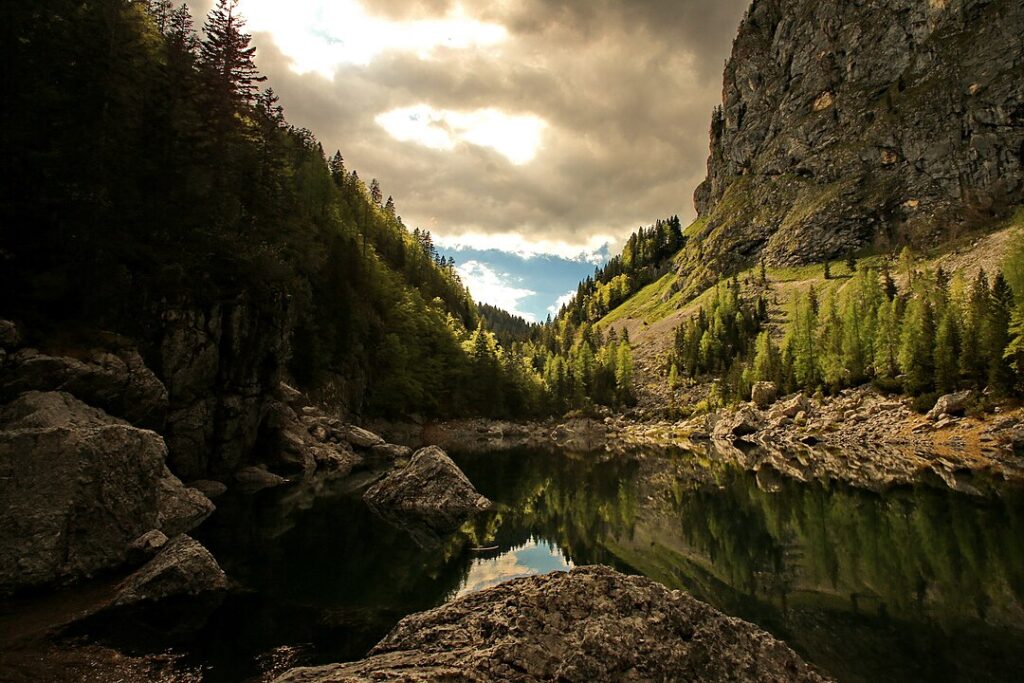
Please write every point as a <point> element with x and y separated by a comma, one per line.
<point>534,557</point>
<point>918,583</point>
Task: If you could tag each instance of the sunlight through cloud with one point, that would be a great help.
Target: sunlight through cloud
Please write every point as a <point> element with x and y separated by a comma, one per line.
<point>516,137</point>
<point>491,287</point>
<point>320,35</point>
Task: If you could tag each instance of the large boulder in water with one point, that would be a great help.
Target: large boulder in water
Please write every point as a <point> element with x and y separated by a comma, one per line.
<point>183,567</point>
<point>77,487</point>
<point>430,495</point>
<point>590,625</point>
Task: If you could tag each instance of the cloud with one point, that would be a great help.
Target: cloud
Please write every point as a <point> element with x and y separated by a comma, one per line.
<point>625,91</point>
<point>491,287</point>
<point>554,308</point>
<point>594,250</point>
<point>533,557</point>
<point>517,138</point>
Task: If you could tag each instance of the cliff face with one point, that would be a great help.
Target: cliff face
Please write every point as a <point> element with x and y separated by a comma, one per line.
<point>854,123</point>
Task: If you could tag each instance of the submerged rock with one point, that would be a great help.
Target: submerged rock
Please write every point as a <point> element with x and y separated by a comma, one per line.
<point>77,486</point>
<point>258,477</point>
<point>590,625</point>
<point>430,494</point>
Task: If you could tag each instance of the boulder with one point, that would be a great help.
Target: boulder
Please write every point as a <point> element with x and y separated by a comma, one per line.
<point>742,422</point>
<point>795,405</point>
<point>391,452</point>
<point>146,546</point>
<point>763,394</point>
<point>77,487</point>
<point>950,404</point>
<point>183,567</point>
<point>590,625</point>
<point>361,438</point>
<point>119,383</point>
<point>430,496</point>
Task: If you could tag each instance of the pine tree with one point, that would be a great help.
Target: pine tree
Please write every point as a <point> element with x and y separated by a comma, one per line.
<point>803,340</point>
<point>767,365</point>
<point>947,350</point>
<point>337,168</point>
<point>624,370</point>
<point>887,340</point>
<point>917,346</point>
<point>973,363</point>
<point>376,196</point>
<point>888,284</point>
<point>226,52</point>
<point>997,336</point>
<point>673,377</point>
<point>828,270</point>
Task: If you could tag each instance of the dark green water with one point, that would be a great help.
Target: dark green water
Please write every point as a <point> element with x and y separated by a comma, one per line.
<point>917,584</point>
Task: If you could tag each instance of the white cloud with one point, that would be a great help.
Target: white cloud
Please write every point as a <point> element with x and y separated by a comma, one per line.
<point>532,558</point>
<point>320,35</point>
<point>516,137</point>
<point>554,308</point>
<point>491,287</point>
<point>591,251</point>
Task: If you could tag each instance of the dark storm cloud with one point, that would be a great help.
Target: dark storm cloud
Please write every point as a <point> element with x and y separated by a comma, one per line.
<point>626,90</point>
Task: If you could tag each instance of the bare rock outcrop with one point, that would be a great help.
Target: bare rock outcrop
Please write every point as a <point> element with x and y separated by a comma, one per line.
<point>77,486</point>
<point>590,625</point>
<point>846,124</point>
<point>183,567</point>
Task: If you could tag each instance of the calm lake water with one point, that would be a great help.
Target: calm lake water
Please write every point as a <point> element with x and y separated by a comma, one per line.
<point>916,584</point>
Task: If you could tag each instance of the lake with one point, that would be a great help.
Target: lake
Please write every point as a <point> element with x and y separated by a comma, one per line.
<point>914,584</point>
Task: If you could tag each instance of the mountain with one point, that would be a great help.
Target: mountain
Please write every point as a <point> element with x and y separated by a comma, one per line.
<point>856,126</point>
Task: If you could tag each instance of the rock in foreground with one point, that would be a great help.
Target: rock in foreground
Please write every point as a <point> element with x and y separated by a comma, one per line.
<point>183,567</point>
<point>430,495</point>
<point>77,487</point>
<point>592,624</point>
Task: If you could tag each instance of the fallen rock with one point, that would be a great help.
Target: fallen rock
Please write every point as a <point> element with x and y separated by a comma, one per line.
<point>743,422</point>
<point>763,394</point>
<point>950,404</point>
<point>183,567</point>
<point>361,438</point>
<point>795,405</point>
<point>430,496</point>
<point>77,486</point>
<point>391,452</point>
<point>146,546</point>
<point>590,625</point>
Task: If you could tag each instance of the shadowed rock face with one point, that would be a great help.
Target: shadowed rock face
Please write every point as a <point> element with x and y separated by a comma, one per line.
<point>77,487</point>
<point>846,122</point>
<point>592,624</point>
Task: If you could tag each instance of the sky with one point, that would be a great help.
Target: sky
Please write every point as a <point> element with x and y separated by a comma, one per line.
<point>529,136</point>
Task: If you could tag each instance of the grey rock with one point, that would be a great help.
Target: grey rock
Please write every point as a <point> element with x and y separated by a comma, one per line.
<point>792,407</point>
<point>950,404</point>
<point>763,394</point>
<point>361,438</point>
<point>591,625</point>
<point>430,496</point>
<point>77,486</point>
<point>146,546</point>
<point>391,452</point>
<point>843,123</point>
<point>183,567</point>
<point>742,422</point>
<point>116,381</point>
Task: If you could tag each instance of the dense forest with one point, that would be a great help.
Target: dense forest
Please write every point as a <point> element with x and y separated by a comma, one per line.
<point>148,165</point>
<point>936,334</point>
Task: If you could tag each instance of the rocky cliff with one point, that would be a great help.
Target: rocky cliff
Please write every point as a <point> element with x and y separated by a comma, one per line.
<point>848,125</point>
